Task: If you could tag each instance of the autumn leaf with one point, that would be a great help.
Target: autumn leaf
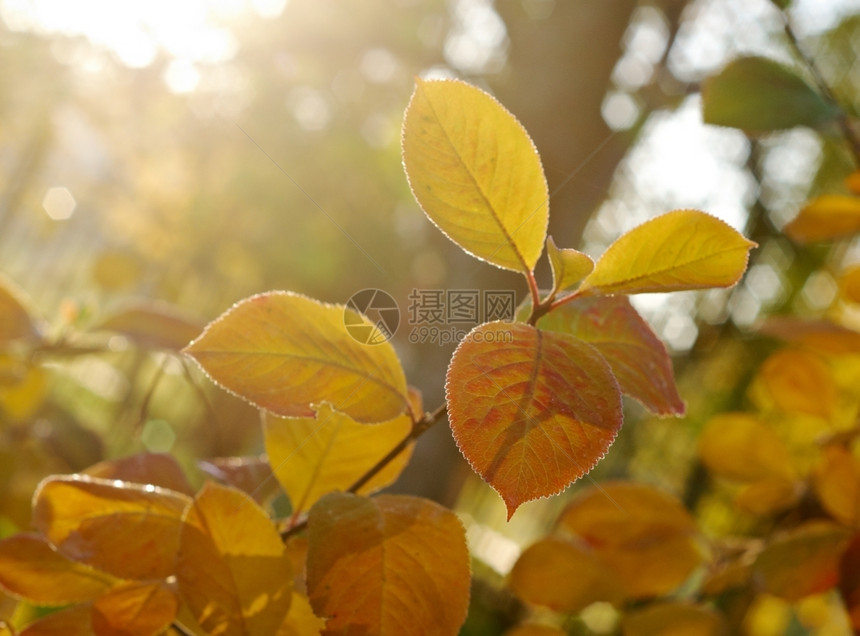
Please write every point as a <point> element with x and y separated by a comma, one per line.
<point>825,218</point>
<point>800,382</point>
<point>533,415</point>
<point>568,265</point>
<point>135,608</point>
<point>837,483</point>
<point>674,618</point>
<point>563,575</point>
<point>233,570</point>
<point>301,620</point>
<point>682,249</point>
<point>741,447</point>
<point>128,530</point>
<point>315,456</point>
<point>759,95</point>
<point>287,353</point>
<point>31,569</point>
<point>638,359</point>
<point>645,536</point>
<point>158,469</point>
<point>252,475</point>
<point>476,173</point>
<point>74,621</point>
<point>407,556</point>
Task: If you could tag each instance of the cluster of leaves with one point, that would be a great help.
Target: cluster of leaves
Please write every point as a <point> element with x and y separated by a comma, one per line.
<point>130,547</point>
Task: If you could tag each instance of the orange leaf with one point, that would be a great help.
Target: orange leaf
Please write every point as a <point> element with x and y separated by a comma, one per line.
<point>153,326</point>
<point>645,536</point>
<point>233,570</point>
<point>315,456</point>
<point>74,621</point>
<point>638,359</point>
<point>288,353</point>
<point>821,335</point>
<point>533,415</point>
<point>802,562</point>
<point>158,469</point>
<point>388,565</point>
<point>128,530</point>
<point>828,217</point>
<point>837,483</point>
<point>134,608</point>
<point>674,618</point>
<point>741,447</point>
<point>251,475</point>
<point>563,575</point>
<point>682,249</point>
<point>17,321</point>
<point>800,382</point>
<point>849,581</point>
<point>31,569</point>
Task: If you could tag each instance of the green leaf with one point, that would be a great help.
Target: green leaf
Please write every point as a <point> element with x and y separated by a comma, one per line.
<point>682,249</point>
<point>759,95</point>
<point>531,410</point>
<point>287,353</point>
<point>568,266</point>
<point>476,173</point>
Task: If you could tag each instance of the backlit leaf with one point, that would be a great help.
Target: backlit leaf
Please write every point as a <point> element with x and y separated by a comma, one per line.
<point>287,353</point>
<point>741,447</point>
<point>233,571</point>
<point>476,173</point>
<point>563,575</point>
<point>568,266</point>
<point>682,249</point>
<point>314,456</point>
<point>31,569</point>
<point>849,284</point>
<point>758,95</point>
<point>252,475</point>
<point>801,562</point>
<point>674,618</point>
<point>822,335</point>
<point>645,536</point>
<point>158,469</point>
<point>837,483</point>
<point>17,321</point>
<point>828,217</point>
<point>128,530</point>
<point>301,620</point>
<point>74,621</point>
<point>385,566</point>
<point>849,581</point>
<point>533,415</point>
<point>154,326</point>
<point>638,359</point>
<point>134,608</point>
<point>800,382</point>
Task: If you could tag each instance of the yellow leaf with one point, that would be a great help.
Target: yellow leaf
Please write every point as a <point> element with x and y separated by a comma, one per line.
<point>158,469</point>
<point>849,284</point>
<point>769,495</point>
<point>74,621</point>
<point>135,608</point>
<point>233,570</point>
<point>388,565</point>
<point>683,249</point>
<point>31,569</point>
<point>800,382</point>
<point>563,575</point>
<point>739,446</point>
<point>568,266</point>
<point>129,530</point>
<point>315,456</point>
<point>301,620</point>
<point>476,173</point>
<point>827,217</point>
<point>674,618</point>
<point>288,353</point>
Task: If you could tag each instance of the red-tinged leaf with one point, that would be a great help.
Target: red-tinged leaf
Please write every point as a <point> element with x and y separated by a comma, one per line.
<point>134,608</point>
<point>301,620</point>
<point>682,249</point>
<point>637,357</point>
<point>476,173</point>
<point>17,320</point>
<point>800,382</point>
<point>128,530</point>
<point>74,621</point>
<point>759,95</point>
<point>741,447</point>
<point>31,569</point>
<point>837,483</point>
<point>533,415</point>
<point>251,475</point>
<point>233,571</point>
<point>314,456</point>
<point>287,353</point>
<point>563,575</point>
<point>674,618</point>
<point>821,335</point>
<point>645,536</point>
<point>802,562</point>
<point>849,582</point>
<point>154,326</point>
<point>158,469</point>
<point>825,218</point>
<point>385,566</point>
<point>568,266</point>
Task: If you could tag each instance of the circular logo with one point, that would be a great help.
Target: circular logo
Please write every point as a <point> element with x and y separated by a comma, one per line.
<point>378,316</point>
